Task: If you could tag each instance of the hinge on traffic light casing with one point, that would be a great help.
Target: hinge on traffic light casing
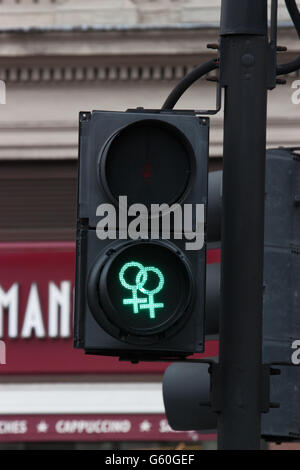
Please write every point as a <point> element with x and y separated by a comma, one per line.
<point>265,388</point>
<point>217,395</point>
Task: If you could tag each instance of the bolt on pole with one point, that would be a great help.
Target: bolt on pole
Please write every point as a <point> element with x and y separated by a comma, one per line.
<point>243,75</point>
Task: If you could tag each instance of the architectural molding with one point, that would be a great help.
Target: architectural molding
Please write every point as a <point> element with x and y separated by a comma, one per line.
<point>115,43</point>
<point>53,68</point>
<point>112,55</point>
<point>49,13</point>
<point>89,73</point>
<point>119,43</point>
<point>99,70</point>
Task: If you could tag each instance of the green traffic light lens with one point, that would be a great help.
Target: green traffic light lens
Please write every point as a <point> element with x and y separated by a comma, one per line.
<point>145,288</point>
<point>139,287</point>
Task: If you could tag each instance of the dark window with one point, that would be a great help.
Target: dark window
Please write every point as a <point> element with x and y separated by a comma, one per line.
<point>37,200</point>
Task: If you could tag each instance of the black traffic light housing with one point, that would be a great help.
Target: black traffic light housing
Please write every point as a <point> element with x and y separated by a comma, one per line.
<point>281,318</point>
<point>142,298</point>
<point>152,157</point>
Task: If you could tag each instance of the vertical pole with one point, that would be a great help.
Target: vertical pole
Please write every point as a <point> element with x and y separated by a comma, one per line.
<point>243,69</point>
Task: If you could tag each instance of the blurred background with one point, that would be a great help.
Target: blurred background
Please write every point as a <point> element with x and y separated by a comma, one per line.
<point>59,57</point>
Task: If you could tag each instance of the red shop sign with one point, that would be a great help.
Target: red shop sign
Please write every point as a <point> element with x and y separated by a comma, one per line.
<point>26,428</point>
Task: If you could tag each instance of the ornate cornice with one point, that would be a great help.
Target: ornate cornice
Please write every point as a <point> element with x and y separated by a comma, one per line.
<point>153,51</point>
<point>118,43</point>
<point>37,72</point>
<point>79,73</point>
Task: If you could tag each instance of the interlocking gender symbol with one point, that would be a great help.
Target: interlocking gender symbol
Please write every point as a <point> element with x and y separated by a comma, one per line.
<point>141,278</point>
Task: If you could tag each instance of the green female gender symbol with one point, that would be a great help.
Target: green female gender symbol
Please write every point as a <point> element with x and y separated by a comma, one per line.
<point>135,300</point>
<point>140,280</point>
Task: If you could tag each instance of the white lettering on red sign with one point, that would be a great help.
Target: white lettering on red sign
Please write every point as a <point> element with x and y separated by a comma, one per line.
<point>13,427</point>
<point>33,320</point>
<point>92,426</point>
<point>58,323</point>
<point>165,427</point>
<point>59,300</point>
<point>9,302</point>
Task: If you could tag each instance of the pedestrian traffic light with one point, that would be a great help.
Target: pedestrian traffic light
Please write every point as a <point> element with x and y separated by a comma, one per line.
<point>281,325</point>
<point>133,291</point>
<point>141,249</point>
<point>281,261</point>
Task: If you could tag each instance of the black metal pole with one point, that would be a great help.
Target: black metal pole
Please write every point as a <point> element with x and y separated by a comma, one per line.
<point>243,69</point>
